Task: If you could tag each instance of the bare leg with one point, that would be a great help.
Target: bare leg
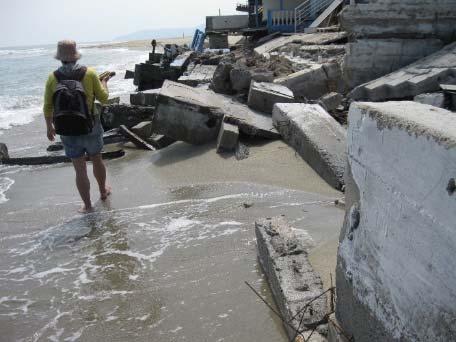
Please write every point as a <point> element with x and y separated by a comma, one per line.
<point>83,183</point>
<point>99,171</point>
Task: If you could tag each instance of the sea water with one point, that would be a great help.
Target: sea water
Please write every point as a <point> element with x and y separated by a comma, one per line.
<point>24,73</point>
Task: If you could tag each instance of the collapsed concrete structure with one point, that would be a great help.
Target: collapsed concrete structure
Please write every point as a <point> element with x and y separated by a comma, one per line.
<point>390,34</point>
<point>396,265</point>
<point>195,115</point>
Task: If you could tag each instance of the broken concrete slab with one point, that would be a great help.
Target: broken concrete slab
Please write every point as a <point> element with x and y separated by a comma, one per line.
<point>135,139</point>
<point>143,129</point>
<point>145,98</point>
<point>228,138</point>
<point>331,101</point>
<point>423,76</point>
<point>123,114</point>
<point>240,78</point>
<point>194,115</point>
<point>316,136</point>
<point>263,96</point>
<point>396,269</point>
<point>304,39</point>
<point>433,99</point>
<point>368,59</point>
<point>284,259</point>
<point>392,18</point>
<point>129,74</point>
<point>314,81</point>
<point>160,141</point>
<point>198,74</point>
<point>221,78</point>
<point>218,41</point>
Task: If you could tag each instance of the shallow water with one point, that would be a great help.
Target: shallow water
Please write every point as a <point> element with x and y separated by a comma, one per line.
<point>164,260</point>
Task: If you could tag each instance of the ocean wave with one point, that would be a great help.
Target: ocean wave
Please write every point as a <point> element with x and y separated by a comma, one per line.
<point>21,53</point>
<point>18,110</point>
<point>5,185</point>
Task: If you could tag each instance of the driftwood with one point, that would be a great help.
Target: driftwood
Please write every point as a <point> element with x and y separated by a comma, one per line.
<point>140,143</point>
<point>45,160</point>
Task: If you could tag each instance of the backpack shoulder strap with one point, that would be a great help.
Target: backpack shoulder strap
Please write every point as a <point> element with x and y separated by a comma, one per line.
<point>58,76</point>
<point>80,73</point>
<point>77,75</point>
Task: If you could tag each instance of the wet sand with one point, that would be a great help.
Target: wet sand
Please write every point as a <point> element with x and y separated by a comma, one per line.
<point>165,259</point>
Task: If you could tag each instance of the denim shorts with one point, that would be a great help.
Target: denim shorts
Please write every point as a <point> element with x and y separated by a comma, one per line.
<point>90,144</point>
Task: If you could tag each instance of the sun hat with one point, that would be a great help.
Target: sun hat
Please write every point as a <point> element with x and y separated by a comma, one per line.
<point>67,51</point>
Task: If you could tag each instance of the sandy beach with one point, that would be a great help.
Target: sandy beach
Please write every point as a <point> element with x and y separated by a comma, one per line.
<point>146,44</point>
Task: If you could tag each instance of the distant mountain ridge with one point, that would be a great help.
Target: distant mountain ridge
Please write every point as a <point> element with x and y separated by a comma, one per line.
<point>160,33</point>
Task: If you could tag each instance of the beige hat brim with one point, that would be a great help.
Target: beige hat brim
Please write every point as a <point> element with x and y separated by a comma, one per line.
<point>72,58</point>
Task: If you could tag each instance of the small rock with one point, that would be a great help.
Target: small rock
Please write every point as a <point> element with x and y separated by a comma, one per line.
<point>247,205</point>
<point>240,79</point>
<point>3,151</point>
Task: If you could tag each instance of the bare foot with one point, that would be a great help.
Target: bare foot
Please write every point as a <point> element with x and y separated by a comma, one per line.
<point>85,210</point>
<point>104,194</point>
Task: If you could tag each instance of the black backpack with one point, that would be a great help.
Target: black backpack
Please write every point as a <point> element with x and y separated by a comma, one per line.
<point>71,113</point>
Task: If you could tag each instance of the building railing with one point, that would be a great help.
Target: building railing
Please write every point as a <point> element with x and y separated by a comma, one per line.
<point>281,20</point>
<point>307,12</point>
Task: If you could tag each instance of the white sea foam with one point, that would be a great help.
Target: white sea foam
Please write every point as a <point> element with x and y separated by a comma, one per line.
<point>5,185</point>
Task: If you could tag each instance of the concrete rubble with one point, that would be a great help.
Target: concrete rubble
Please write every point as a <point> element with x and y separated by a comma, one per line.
<point>122,114</point>
<point>228,138</point>
<point>316,136</point>
<point>263,96</point>
<point>143,129</point>
<point>195,115</point>
<point>293,282</point>
<point>433,99</point>
<point>198,74</point>
<point>397,172</point>
<point>396,266</point>
<point>423,76</point>
<point>144,98</point>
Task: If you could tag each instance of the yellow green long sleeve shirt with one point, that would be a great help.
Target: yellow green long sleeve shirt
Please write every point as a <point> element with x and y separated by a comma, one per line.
<point>92,86</point>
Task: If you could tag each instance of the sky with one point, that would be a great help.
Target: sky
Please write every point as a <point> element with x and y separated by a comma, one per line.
<point>35,22</point>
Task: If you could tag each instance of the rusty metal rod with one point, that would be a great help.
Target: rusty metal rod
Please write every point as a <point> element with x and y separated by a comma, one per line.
<point>274,311</point>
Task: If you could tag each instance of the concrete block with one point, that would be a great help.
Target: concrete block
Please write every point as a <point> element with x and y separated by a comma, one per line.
<point>227,23</point>
<point>194,115</point>
<point>423,76</point>
<point>145,98</point>
<point>331,101</point>
<point>263,96</point>
<point>396,269</point>
<point>143,129</point>
<point>293,282</point>
<point>240,79</point>
<point>266,49</point>
<point>122,114</point>
<point>198,74</point>
<point>316,136</point>
<point>221,78</point>
<point>313,82</point>
<point>392,18</point>
<point>433,99</point>
<point>218,41</point>
<point>129,74</point>
<point>228,138</point>
<point>368,59</point>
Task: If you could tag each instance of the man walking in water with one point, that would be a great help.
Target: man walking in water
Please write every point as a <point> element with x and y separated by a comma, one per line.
<point>69,111</point>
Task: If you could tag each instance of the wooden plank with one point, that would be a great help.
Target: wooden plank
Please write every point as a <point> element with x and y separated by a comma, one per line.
<point>140,143</point>
<point>46,160</point>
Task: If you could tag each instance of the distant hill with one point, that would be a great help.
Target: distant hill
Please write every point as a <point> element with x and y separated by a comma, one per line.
<point>160,33</point>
